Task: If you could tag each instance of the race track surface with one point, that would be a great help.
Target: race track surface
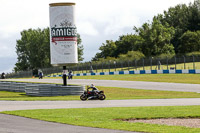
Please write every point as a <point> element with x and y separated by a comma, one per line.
<point>15,124</point>
<point>124,84</point>
<point>25,105</point>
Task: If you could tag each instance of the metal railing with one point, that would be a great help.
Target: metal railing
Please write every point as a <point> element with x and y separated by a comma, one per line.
<point>176,63</point>
<point>36,89</point>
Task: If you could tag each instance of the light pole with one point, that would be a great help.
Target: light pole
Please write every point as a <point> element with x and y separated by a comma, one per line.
<point>115,65</point>
<point>64,76</point>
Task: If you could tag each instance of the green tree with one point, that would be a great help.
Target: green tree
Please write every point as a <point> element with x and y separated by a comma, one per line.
<point>190,41</point>
<point>33,49</point>
<point>128,43</point>
<point>107,50</point>
<point>131,55</point>
<point>163,37</point>
<point>80,48</point>
<point>182,18</point>
<point>122,46</point>
<point>156,38</point>
<point>194,16</point>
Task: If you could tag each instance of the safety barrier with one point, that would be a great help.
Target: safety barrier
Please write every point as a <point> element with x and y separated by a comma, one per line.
<point>34,89</point>
<point>52,90</point>
<point>12,86</point>
<point>191,71</point>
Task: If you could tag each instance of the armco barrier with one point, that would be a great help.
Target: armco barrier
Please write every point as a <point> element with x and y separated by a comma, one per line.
<point>52,90</point>
<point>5,86</point>
<point>38,90</point>
<point>67,90</point>
<point>17,87</point>
<point>41,89</point>
<point>12,86</point>
<point>190,71</point>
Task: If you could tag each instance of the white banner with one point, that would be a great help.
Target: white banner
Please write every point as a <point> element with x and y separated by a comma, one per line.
<point>63,34</point>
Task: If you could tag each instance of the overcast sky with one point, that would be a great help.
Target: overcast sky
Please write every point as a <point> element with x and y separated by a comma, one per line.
<point>96,21</point>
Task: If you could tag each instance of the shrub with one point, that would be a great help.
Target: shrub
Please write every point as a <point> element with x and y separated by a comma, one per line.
<point>131,55</point>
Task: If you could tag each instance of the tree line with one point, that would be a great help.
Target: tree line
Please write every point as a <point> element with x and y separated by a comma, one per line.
<point>175,32</point>
<point>33,49</point>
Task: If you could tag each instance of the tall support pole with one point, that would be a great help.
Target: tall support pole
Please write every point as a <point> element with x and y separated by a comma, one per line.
<point>64,76</point>
<point>167,63</point>
<point>184,61</point>
<point>143,63</point>
<point>96,66</point>
<point>193,59</point>
<point>175,62</point>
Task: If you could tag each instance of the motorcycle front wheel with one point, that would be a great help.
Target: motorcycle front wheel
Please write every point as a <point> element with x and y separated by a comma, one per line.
<point>83,97</point>
<point>102,97</point>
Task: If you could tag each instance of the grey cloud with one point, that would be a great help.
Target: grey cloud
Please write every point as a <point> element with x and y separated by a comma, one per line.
<point>7,64</point>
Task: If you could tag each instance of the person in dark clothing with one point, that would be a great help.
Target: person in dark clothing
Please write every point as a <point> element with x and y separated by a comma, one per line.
<point>70,76</point>
<point>3,76</point>
<point>40,75</point>
<point>94,91</point>
<point>93,87</point>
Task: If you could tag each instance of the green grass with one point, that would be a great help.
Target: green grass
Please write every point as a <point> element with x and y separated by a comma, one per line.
<point>20,96</point>
<point>106,117</point>
<point>112,93</point>
<point>171,78</point>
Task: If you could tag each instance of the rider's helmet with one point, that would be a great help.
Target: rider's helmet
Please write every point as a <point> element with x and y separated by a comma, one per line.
<point>92,85</point>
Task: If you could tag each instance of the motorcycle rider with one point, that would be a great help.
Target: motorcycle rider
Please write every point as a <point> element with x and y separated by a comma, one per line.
<point>94,91</point>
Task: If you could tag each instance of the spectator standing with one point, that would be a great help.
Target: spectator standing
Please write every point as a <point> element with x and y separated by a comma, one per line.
<point>70,75</point>
<point>3,75</point>
<point>40,75</point>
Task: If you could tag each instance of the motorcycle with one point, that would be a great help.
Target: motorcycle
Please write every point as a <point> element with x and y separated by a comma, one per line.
<point>91,95</point>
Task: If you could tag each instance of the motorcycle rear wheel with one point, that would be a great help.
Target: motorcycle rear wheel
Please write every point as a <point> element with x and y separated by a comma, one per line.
<point>83,97</point>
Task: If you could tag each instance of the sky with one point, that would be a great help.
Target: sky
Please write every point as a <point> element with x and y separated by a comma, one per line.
<point>96,21</point>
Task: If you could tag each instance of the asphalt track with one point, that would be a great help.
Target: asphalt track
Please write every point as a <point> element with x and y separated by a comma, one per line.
<point>125,84</point>
<point>26,105</point>
<point>14,124</point>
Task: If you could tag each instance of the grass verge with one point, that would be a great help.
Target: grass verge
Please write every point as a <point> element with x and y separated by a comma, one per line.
<point>20,96</point>
<point>112,93</point>
<point>105,117</point>
<point>171,78</point>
